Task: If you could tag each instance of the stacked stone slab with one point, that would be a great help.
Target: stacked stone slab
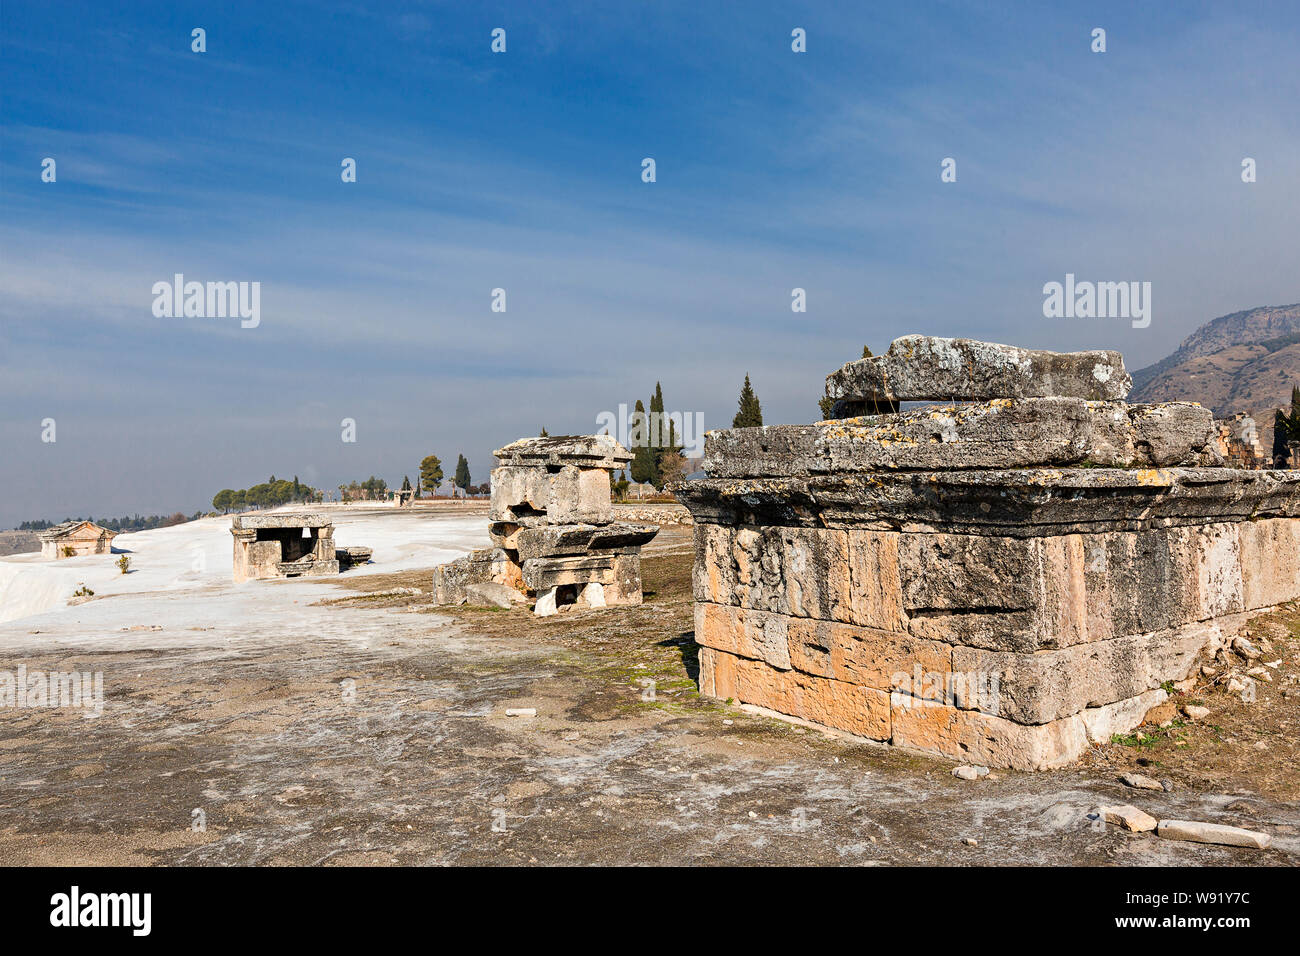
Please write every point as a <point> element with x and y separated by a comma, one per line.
<point>1003,581</point>
<point>554,537</point>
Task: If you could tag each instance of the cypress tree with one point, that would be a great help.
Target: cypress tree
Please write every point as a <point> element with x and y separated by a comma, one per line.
<point>750,413</point>
<point>643,462</point>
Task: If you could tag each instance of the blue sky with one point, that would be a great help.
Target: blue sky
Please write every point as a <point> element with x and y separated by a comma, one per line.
<point>522,170</point>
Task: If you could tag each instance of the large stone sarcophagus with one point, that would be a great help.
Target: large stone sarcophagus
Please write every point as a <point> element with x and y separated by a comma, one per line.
<point>1003,580</point>
<point>554,537</point>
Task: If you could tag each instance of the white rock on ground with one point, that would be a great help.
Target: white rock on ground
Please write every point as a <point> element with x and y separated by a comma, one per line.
<point>1129,817</point>
<point>1140,782</point>
<point>1194,832</point>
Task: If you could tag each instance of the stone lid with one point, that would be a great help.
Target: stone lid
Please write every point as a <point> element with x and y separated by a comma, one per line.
<point>282,519</point>
<point>925,368</point>
<point>585,451</point>
<point>1002,433</point>
<point>1026,502</point>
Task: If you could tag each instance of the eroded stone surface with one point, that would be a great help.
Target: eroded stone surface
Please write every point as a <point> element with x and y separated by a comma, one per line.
<point>1212,833</point>
<point>927,368</point>
<point>584,451</point>
<point>998,434</point>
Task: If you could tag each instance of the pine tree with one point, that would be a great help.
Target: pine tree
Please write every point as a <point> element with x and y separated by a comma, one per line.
<point>462,479</point>
<point>545,433</point>
<point>431,472</point>
<point>750,414</point>
<point>406,483</point>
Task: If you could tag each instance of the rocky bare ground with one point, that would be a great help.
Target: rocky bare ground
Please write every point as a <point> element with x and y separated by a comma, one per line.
<point>386,741</point>
<point>18,542</point>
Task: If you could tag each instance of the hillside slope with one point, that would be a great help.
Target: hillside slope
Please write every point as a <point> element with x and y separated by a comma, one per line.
<point>1243,362</point>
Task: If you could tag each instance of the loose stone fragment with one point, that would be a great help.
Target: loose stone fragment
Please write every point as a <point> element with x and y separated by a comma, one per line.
<point>1217,833</point>
<point>1129,817</point>
<point>1140,782</point>
<point>927,368</point>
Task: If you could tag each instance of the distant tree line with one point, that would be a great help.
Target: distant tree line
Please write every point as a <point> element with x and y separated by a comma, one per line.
<point>123,524</point>
<point>431,477</point>
<point>269,494</point>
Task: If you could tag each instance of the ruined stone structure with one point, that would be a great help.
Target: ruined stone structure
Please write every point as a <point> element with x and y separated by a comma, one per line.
<point>1000,582</point>
<point>72,539</point>
<point>283,545</point>
<point>1238,442</point>
<point>552,525</point>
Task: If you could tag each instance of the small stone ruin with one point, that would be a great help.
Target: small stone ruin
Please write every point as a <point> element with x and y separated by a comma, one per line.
<point>283,545</point>
<point>555,540</point>
<point>1002,578</point>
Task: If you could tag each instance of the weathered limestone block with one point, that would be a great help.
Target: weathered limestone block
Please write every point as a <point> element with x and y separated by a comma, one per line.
<point>586,451</point>
<point>477,567</point>
<point>849,707</point>
<point>626,587</point>
<point>536,496</point>
<point>996,741</point>
<point>1042,687</point>
<point>996,434</point>
<point>1029,502</point>
<point>1270,561</point>
<point>519,494</point>
<point>541,574</point>
<point>927,368</point>
<point>570,539</point>
<point>491,594</point>
<point>885,660</point>
<point>758,635</point>
<point>580,495</point>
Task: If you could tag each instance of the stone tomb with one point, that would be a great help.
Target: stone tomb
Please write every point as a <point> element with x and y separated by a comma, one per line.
<point>73,539</point>
<point>283,545</point>
<point>555,540</point>
<point>1000,582</point>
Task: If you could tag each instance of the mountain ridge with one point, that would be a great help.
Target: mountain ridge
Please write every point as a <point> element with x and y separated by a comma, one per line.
<point>1245,361</point>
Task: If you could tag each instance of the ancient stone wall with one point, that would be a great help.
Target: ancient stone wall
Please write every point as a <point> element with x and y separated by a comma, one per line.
<point>1001,582</point>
